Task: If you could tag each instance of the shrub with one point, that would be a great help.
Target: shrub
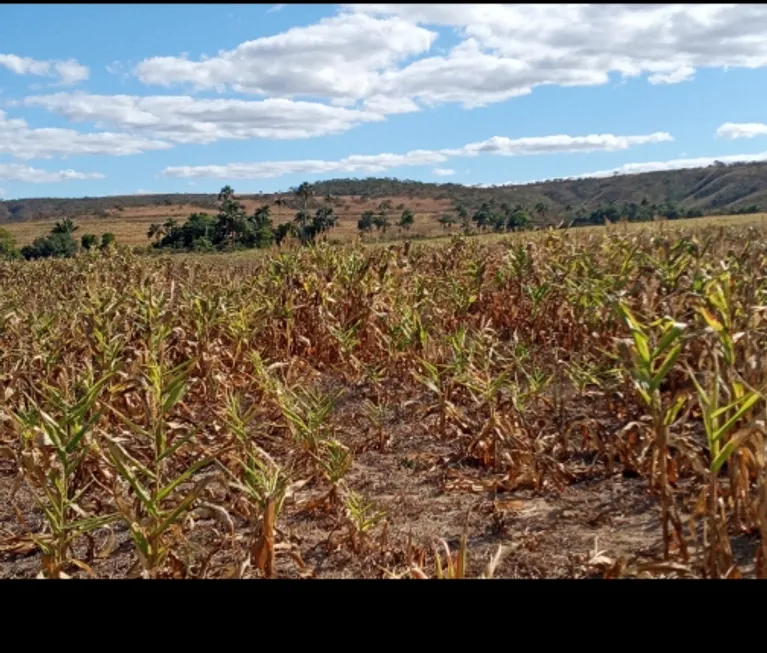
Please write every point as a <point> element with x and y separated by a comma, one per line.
<point>58,245</point>
<point>7,246</point>
<point>88,241</point>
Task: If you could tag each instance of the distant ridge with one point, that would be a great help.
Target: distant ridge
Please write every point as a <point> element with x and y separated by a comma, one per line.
<point>719,188</point>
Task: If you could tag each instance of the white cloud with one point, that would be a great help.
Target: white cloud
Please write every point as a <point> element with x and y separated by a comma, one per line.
<point>443,172</point>
<point>183,119</point>
<point>388,56</point>
<point>734,130</point>
<point>339,57</point>
<point>675,164</point>
<point>17,172</point>
<point>388,105</point>
<point>681,74</point>
<point>18,140</point>
<point>274,9</point>
<point>498,145</point>
<point>511,48</point>
<point>69,71</point>
<point>504,146</point>
<point>3,192</point>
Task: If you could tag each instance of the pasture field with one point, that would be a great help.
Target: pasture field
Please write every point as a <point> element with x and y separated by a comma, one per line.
<point>130,225</point>
<point>575,403</point>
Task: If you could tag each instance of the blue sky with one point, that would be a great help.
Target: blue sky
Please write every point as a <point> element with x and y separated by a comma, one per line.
<point>122,99</point>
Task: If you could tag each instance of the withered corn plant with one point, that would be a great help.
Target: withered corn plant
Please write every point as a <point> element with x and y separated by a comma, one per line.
<point>163,397</point>
<point>56,438</point>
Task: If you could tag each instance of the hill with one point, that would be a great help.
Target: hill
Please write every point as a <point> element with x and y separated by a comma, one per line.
<point>717,189</point>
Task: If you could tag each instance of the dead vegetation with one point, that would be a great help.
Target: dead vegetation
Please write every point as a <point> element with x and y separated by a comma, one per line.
<point>581,403</point>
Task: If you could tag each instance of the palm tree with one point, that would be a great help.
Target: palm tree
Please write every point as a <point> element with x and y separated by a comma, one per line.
<point>406,220</point>
<point>226,194</point>
<point>303,193</point>
<point>65,226</point>
<point>325,217</point>
<point>231,219</point>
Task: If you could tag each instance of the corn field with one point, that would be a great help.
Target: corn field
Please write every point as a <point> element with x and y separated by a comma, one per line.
<point>563,404</point>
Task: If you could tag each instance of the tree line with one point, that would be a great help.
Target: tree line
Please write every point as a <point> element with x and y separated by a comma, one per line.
<point>233,228</point>
<point>59,243</point>
<point>643,211</point>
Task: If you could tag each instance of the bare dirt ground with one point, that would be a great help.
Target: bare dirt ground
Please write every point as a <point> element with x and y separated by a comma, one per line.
<point>427,494</point>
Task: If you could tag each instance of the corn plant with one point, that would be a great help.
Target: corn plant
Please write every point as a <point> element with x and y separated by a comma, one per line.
<point>335,460</point>
<point>362,516</point>
<point>438,379</point>
<point>376,414</point>
<point>306,413</point>
<point>156,481</point>
<point>261,481</point>
<point>55,441</point>
<point>653,353</point>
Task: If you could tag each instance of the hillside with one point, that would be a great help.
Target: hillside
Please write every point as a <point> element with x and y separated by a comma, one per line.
<point>719,189</point>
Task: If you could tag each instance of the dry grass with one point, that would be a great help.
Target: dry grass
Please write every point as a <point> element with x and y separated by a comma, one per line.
<point>130,225</point>
<point>565,403</point>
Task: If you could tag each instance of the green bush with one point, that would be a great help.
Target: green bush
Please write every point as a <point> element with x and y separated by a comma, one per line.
<point>7,246</point>
<point>88,241</point>
<point>202,244</point>
<point>107,239</point>
<point>58,245</point>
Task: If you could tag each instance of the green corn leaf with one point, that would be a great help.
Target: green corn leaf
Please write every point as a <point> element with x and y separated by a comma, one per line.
<point>72,444</point>
<point>117,455</point>
<point>747,402</point>
<point>672,333</point>
<point>665,367</point>
<point>737,440</point>
<point>181,508</point>
<point>92,523</point>
<point>177,445</point>
<point>174,393</point>
<point>192,469</point>
<point>642,345</point>
<point>672,412</point>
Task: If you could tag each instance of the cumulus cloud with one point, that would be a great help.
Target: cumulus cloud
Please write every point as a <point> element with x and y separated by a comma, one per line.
<point>498,145</point>
<point>509,49</point>
<point>339,57</point>
<point>18,172</point>
<point>380,54</point>
<point>183,119</point>
<point>443,172</point>
<point>69,71</point>
<point>732,130</point>
<point>18,140</point>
